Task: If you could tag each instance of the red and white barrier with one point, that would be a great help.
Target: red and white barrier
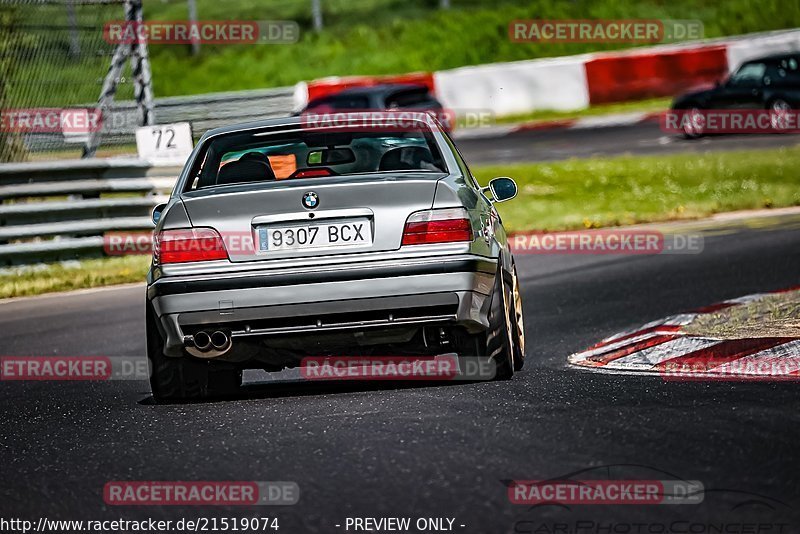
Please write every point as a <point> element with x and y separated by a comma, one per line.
<point>576,82</point>
<point>620,77</point>
<point>517,87</point>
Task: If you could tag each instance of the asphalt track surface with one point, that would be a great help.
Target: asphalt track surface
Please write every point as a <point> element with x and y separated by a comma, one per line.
<point>427,450</point>
<point>644,138</point>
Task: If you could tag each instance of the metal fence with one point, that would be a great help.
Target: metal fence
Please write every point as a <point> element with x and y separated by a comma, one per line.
<point>62,209</point>
<point>203,112</point>
<point>53,55</point>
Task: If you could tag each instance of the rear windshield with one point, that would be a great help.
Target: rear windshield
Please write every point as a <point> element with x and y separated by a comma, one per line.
<point>409,98</point>
<point>342,102</point>
<point>266,156</point>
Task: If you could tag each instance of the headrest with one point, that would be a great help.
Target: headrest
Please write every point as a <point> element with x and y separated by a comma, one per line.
<point>407,158</point>
<point>245,170</point>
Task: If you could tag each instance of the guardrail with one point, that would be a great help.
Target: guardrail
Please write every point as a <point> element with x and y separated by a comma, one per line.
<point>60,210</point>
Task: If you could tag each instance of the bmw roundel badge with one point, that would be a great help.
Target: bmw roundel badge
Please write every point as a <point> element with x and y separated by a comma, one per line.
<point>310,200</point>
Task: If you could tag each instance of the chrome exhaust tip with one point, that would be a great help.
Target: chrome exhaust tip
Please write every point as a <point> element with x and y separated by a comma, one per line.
<point>208,345</point>
<point>202,341</point>
<point>220,340</point>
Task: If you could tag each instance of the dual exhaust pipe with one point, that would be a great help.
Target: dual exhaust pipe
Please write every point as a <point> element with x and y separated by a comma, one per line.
<point>210,344</point>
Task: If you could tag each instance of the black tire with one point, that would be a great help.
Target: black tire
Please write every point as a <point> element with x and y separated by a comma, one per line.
<point>185,378</point>
<point>499,337</point>
<point>518,322</point>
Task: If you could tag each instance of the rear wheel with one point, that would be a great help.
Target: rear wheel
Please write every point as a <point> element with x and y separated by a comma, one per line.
<point>694,123</point>
<point>185,378</point>
<point>500,337</point>
<point>780,114</point>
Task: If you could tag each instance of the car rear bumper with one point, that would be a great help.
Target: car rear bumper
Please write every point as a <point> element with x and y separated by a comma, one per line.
<point>356,296</point>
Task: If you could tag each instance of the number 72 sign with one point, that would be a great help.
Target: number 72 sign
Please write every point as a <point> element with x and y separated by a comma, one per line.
<point>165,143</point>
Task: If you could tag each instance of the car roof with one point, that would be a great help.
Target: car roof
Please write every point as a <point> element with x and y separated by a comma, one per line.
<point>280,123</point>
<point>773,57</point>
<point>385,88</point>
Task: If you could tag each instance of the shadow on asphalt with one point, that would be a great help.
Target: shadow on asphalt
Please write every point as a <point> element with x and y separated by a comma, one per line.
<point>305,388</point>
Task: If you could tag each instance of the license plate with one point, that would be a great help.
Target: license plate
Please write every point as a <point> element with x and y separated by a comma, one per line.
<point>343,233</point>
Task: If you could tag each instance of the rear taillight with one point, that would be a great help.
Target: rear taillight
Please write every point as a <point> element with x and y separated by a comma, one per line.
<point>437,226</point>
<point>186,245</point>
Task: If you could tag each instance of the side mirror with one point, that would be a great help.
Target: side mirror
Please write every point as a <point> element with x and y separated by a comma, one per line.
<point>157,213</point>
<point>502,189</point>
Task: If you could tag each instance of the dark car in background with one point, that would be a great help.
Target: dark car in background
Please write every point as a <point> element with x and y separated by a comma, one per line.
<point>771,82</point>
<point>411,97</point>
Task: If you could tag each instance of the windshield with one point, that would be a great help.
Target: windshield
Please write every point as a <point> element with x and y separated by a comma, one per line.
<point>750,74</point>
<point>265,156</point>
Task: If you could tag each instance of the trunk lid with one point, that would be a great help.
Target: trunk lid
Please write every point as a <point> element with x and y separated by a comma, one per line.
<point>353,214</point>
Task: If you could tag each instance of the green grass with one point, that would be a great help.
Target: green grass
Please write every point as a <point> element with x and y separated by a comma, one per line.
<point>51,277</point>
<point>601,192</point>
<point>572,194</point>
<point>376,37</point>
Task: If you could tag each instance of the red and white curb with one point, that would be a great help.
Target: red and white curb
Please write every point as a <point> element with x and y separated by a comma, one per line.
<point>659,347</point>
